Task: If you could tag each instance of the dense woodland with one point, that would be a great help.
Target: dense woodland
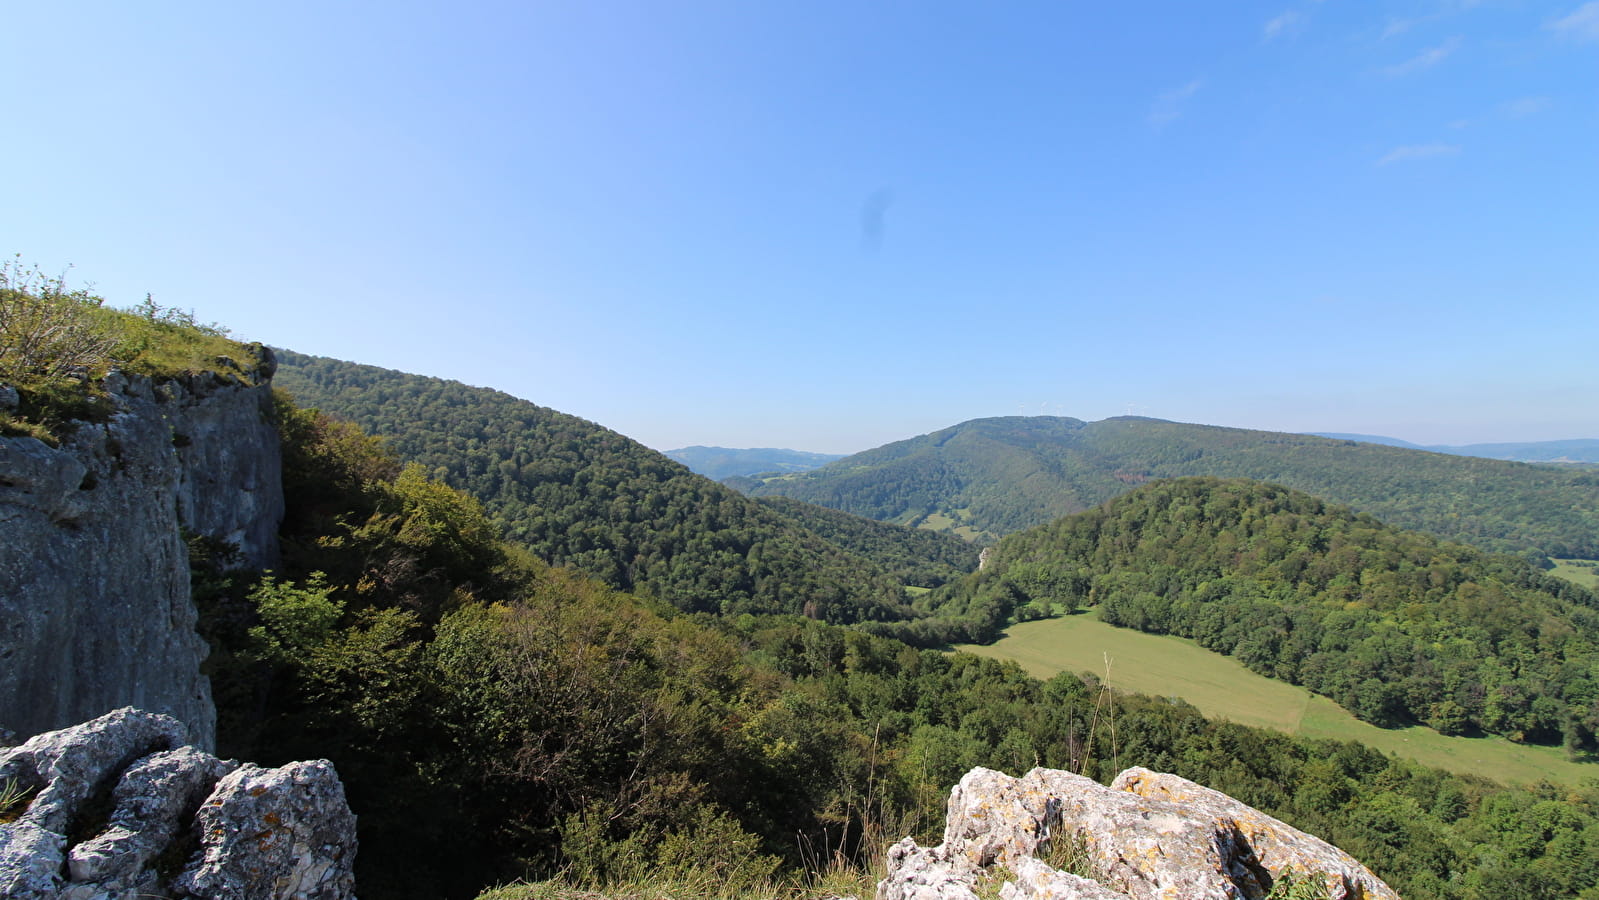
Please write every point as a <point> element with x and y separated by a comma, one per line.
<point>581,495</point>
<point>998,476</point>
<point>494,718</point>
<point>915,556</point>
<point>1396,626</point>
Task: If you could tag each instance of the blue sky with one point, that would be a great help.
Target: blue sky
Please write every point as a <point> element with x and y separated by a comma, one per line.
<point>829,225</point>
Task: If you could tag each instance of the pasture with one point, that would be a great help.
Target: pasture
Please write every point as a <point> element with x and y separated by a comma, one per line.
<point>1223,688</point>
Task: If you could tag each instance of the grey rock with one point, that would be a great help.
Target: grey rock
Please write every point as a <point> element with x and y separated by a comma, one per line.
<point>65,769</point>
<point>30,861</point>
<point>154,801</point>
<point>95,610</point>
<point>927,873</point>
<point>284,834</point>
<point>1033,880</point>
<point>1277,847</point>
<point>69,766</point>
<point>275,833</point>
<point>1149,837</point>
<point>9,400</point>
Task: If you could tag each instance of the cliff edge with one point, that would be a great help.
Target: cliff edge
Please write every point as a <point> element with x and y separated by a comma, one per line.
<point>95,607</point>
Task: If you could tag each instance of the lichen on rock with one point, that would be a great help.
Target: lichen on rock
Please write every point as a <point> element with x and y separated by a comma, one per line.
<point>161,820</point>
<point>1148,836</point>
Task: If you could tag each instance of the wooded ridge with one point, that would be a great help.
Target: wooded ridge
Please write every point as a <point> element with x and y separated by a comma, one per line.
<point>997,476</point>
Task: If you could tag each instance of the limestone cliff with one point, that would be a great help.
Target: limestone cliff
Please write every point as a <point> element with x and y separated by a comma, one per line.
<point>95,609</point>
<point>1147,836</point>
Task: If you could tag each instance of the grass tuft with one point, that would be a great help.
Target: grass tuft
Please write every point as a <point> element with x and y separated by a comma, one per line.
<point>15,796</point>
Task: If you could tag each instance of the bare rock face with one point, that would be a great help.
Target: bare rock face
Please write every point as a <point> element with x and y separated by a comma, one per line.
<point>268,833</point>
<point>1148,836</point>
<point>95,609</point>
<point>119,809</point>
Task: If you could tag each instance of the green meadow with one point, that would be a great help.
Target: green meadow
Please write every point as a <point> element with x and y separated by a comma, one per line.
<point>1579,571</point>
<point>1221,687</point>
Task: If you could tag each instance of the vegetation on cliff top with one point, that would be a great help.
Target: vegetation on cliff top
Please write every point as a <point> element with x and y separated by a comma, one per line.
<point>56,344</point>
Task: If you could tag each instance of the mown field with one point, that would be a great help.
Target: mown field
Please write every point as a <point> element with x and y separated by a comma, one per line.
<point>1579,571</point>
<point>1222,687</point>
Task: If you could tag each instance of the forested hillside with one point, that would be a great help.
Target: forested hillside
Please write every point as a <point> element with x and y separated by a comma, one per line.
<point>915,556</point>
<point>1394,625</point>
<point>581,495</point>
<point>493,719</point>
<point>997,476</point>
<point>1579,451</point>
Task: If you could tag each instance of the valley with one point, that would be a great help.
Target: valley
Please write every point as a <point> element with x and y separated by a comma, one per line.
<point>996,476</point>
<point>572,651</point>
<point>1223,688</point>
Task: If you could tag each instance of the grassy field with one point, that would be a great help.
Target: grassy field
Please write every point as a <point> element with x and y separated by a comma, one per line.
<point>1585,575</point>
<point>1222,688</point>
<point>940,521</point>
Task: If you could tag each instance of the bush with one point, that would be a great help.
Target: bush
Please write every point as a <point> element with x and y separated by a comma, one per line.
<point>47,332</point>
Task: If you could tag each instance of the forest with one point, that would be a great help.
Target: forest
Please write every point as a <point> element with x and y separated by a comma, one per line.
<point>1396,626</point>
<point>1002,475</point>
<point>536,708</point>
<point>581,495</point>
<point>552,725</point>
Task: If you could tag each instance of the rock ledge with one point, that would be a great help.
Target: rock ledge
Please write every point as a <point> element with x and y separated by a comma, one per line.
<point>119,808</point>
<point>1148,836</point>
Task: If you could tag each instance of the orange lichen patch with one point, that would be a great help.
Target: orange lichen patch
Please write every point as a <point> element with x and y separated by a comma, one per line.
<point>272,819</point>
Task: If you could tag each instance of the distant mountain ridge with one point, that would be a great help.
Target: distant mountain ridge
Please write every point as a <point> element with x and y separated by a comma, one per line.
<point>989,477</point>
<point>1577,450</point>
<point>717,463</point>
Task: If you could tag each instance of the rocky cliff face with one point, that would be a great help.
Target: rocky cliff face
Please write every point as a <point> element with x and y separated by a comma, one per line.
<point>1052,835</point>
<point>95,610</point>
<point>119,809</point>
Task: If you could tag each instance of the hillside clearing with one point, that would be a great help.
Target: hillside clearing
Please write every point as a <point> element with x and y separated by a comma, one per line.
<point>1222,687</point>
<point>1577,571</point>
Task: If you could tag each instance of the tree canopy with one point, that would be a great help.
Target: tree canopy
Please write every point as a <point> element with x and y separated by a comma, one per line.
<point>997,476</point>
<point>581,495</point>
<point>1394,625</point>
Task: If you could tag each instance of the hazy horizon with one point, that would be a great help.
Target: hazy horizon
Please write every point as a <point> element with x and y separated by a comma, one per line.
<point>829,226</point>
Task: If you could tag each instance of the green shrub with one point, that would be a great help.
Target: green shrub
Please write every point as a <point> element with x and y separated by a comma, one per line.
<point>47,332</point>
<point>56,344</point>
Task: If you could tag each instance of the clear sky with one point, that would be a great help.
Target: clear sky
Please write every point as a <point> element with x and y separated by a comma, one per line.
<point>829,225</point>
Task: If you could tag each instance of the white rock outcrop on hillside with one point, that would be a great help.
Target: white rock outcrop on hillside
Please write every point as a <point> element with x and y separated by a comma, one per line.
<point>1148,836</point>
<point>157,819</point>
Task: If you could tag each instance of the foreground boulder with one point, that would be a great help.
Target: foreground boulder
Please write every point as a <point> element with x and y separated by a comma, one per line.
<point>1148,836</point>
<point>119,808</point>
